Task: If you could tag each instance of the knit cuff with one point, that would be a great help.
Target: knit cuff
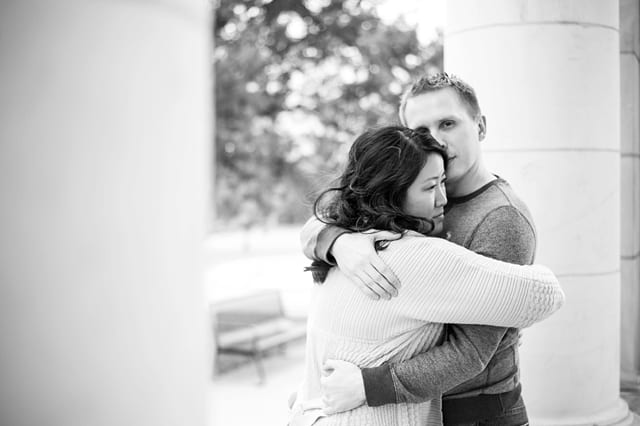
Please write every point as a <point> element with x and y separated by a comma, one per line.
<point>378,386</point>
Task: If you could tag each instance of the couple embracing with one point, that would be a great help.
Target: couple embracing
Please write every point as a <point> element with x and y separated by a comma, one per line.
<point>424,276</point>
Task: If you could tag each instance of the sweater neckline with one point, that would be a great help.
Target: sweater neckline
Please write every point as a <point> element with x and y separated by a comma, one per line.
<point>474,194</point>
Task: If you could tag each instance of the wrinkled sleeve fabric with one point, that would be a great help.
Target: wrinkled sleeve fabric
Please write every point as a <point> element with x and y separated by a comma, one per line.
<point>504,234</point>
<point>467,288</point>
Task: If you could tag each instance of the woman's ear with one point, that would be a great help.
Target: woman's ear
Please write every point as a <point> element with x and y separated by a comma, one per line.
<point>482,127</point>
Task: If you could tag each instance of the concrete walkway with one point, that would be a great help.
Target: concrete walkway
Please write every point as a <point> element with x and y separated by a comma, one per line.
<point>238,398</point>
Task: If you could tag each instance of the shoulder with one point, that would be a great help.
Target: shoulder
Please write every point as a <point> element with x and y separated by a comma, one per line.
<point>508,218</point>
<point>504,207</point>
<point>506,196</point>
<point>505,233</point>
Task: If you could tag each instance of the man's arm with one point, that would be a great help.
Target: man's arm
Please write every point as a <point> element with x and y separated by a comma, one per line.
<point>468,348</point>
<point>465,354</point>
<point>317,238</point>
<point>355,253</point>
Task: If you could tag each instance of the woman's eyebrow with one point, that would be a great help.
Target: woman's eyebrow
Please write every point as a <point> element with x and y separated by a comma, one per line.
<point>431,178</point>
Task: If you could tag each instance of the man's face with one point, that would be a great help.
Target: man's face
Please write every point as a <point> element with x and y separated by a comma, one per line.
<point>450,122</point>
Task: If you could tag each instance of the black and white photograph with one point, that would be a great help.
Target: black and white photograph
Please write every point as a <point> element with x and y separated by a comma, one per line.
<point>320,212</point>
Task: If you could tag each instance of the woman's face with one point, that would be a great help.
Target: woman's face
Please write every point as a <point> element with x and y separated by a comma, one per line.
<point>426,197</point>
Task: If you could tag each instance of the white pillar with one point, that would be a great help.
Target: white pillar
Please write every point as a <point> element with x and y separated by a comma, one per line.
<point>548,79</point>
<point>104,159</point>
<point>630,191</point>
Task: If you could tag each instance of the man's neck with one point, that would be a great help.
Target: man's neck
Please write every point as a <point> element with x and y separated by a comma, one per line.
<point>469,183</point>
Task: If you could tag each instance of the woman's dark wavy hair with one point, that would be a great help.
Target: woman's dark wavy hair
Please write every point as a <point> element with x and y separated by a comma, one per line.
<point>382,165</point>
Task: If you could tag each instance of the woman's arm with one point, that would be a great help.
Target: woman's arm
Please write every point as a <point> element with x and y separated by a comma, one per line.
<point>443,282</point>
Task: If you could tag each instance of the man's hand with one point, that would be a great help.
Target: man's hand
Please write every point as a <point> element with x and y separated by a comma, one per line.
<point>342,386</point>
<point>356,256</point>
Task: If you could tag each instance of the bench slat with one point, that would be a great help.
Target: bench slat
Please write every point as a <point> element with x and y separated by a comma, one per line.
<point>257,331</point>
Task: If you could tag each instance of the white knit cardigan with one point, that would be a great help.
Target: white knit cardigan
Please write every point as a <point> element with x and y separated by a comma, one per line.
<point>441,282</point>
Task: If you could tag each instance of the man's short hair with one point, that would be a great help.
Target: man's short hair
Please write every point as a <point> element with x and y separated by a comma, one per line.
<point>431,83</point>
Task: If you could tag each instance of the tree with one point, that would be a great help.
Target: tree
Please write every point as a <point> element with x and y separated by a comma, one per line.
<point>296,81</point>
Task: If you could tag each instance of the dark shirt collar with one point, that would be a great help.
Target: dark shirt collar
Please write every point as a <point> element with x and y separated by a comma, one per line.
<point>474,194</point>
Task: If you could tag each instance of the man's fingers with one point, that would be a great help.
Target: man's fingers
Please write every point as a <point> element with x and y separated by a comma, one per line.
<point>386,235</point>
<point>327,407</point>
<point>330,364</point>
<point>333,364</point>
<point>379,284</point>
<point>386,273</point>
<point>364,287</point>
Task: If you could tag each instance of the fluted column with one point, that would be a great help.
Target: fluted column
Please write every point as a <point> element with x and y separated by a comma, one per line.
<point>104,163</point>
<point>630,190</point>
<point>548,79</point>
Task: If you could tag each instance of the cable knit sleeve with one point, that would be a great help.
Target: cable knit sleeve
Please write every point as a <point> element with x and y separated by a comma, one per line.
<point>446,283</point>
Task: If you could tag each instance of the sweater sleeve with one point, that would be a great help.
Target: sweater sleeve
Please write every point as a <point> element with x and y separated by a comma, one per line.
<point>466,288</point>
<point>466,352</point>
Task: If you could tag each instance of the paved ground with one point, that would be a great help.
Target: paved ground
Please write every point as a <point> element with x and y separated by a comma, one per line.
<point>238,398</point>
<point>257,259</point>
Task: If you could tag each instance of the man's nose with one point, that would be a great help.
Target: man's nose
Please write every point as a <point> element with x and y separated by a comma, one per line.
<point>440,140</point>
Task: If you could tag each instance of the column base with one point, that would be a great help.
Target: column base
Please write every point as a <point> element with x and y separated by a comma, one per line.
<point>619,415</point>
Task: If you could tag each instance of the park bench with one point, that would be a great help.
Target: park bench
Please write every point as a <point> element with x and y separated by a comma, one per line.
<point>254,324</point>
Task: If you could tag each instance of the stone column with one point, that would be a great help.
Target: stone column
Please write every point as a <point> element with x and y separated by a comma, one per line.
<point>104,169</point>
<point>630,191</point>
<point>548,79</point>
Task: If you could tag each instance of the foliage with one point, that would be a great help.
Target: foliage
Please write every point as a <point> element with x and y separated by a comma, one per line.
<point>296,81</point>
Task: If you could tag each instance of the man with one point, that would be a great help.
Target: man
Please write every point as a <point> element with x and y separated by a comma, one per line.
<point>476,367</point>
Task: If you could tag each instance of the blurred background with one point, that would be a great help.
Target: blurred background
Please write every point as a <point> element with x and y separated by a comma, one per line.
<point>295,83</point>
<point>158,158</point>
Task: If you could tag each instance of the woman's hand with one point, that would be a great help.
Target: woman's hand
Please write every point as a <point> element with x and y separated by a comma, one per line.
<point>357,258</point>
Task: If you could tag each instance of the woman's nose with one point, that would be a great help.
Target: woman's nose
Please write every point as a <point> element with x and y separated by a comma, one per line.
<point>441,196</point>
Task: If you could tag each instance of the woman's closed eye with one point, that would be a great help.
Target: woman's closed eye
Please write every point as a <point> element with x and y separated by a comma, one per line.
<point>434,185</point>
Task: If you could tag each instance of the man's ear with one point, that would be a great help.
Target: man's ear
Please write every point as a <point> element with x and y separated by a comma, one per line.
<point>482,127</point>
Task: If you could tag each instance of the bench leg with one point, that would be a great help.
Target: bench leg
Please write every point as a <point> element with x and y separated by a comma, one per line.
<point>257,359</point>
<point>282,348</point>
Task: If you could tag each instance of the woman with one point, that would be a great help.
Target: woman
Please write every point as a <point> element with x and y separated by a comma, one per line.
<point>394,180</point>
